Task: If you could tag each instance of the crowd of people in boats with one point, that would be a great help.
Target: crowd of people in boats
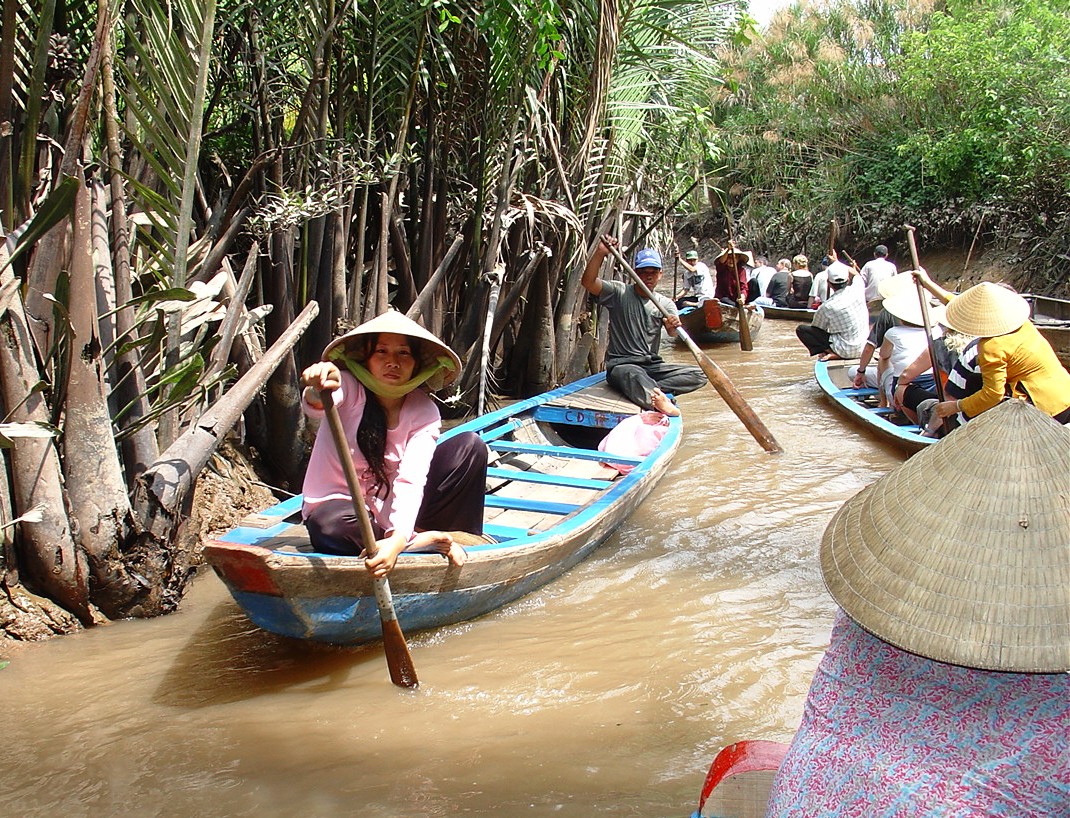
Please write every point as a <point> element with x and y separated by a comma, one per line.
<point>895,324</point>
<point>789,283</point>
<point>898,325</point>
<point>936,357</point>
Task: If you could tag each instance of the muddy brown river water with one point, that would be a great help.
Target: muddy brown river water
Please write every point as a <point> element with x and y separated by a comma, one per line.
<point>608,692</point>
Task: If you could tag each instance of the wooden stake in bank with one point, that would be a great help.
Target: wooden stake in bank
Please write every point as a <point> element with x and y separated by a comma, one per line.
<point>716,375</point>
<point>398,658</point>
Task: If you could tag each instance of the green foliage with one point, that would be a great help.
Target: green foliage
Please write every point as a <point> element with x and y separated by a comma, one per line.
<point>878,111</point>
<point>993,87</point>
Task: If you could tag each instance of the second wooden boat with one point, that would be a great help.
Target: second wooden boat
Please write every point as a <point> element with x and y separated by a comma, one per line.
<point>551,500</point>
<point>714,322</point>
<point>862,406</point>
<point>1051,316</point>
<point>800,314</point>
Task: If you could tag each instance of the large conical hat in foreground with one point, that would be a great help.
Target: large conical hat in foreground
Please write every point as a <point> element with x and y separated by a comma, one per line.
<point>962,554</point>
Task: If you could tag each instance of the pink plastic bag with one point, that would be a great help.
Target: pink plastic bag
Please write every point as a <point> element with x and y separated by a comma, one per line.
<point>636,436</point>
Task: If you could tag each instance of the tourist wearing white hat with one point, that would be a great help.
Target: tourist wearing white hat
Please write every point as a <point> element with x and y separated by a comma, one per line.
<point>841,325</point>
<point>416,491</point>
<point>699,283</point>
<point>904,343</point>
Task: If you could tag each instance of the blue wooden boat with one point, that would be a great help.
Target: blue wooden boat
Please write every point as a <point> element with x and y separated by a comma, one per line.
<point>861,405</point>
<point>551,500</point>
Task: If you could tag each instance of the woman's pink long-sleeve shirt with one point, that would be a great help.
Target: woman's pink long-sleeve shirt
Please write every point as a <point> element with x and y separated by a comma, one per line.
<point>409,449</point>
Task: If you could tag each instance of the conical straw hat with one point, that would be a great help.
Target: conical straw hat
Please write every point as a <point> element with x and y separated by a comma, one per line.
<point>962,554</point>
<point>897,284</point>
<point>395,322</point>
<point>906,307</point>
<point>986,310</point>
<point>743,254</point>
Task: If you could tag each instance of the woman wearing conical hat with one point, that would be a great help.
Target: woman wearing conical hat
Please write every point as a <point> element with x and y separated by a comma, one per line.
<point>731,268</point>
<point>1013,356</point>
<point>416,491</point>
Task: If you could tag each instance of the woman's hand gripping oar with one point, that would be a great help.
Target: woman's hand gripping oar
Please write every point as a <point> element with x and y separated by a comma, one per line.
<point>398,658</point>
<point>715,374</point>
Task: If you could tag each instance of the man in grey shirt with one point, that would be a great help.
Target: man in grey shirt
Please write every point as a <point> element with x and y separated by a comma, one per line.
<point>633,366</point>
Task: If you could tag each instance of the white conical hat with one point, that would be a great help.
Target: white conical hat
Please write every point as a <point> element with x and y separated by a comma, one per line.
<point>962,554</point>
<point>906,307</point>
<point>897,284</point>
<point>395,322</point>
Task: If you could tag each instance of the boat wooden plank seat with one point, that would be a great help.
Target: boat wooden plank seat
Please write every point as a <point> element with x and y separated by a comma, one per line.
<point>518,519</point>
<point>530,504</point>
<point>274,515</point>
<point>571,416</point>
<point>509,427</point>
<point>506,532</point>
<point>552,479</point>
<point>565,451</point>
<point>289,538</point>
<point>598,398</point>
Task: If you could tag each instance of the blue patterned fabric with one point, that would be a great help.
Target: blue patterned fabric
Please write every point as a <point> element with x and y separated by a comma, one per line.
<point>888,733</point>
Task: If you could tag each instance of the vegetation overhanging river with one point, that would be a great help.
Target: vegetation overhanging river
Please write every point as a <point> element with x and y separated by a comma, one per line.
<point>607,692</point>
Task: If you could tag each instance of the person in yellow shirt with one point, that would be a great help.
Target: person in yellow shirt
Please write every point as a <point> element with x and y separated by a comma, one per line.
<point>1014,358</point>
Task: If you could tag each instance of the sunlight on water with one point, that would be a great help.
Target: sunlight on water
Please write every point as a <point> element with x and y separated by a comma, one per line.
<point>607,692</point>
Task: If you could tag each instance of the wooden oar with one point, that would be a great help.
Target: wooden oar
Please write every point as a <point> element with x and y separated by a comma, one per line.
<point>923,299</point>
<point>718,379</point>
<point>398,658</point>
<point>745,342</point>
<point>675,263</point>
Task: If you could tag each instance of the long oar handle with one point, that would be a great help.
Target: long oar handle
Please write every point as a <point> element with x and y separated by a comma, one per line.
<point>398,658</point>
<point>718,379</point>
<point>923,299</point>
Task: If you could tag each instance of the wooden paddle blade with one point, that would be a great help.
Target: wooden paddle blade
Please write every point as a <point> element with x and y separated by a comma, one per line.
<point>726,389</point>
<point>745,342</point>
<point>398,658</point>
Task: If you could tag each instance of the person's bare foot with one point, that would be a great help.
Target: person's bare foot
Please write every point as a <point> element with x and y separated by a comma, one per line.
<point>457,555</point>
<point>660,401</point>
<point>439,541</point>
<point>829,356</point>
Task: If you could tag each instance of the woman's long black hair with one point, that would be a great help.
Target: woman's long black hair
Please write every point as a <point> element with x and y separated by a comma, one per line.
<point>371,433</point>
